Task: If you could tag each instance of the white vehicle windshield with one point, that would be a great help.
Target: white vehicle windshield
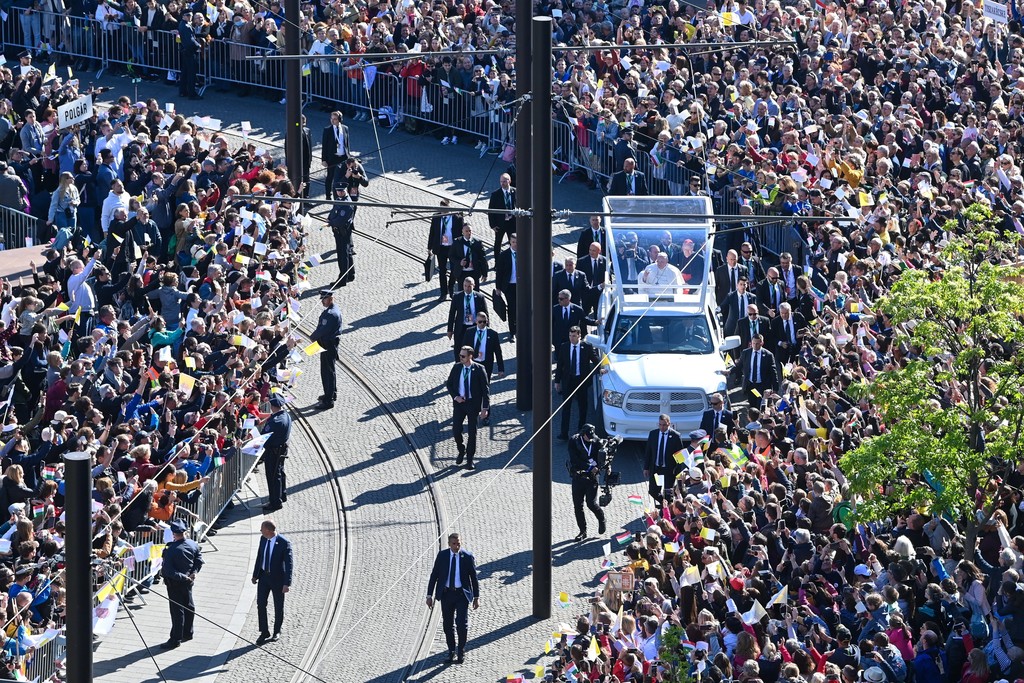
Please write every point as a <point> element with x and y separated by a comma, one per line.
<point>635,335</point>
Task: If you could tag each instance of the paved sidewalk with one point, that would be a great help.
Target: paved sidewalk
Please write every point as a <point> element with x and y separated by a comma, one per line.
<point>220,594</point>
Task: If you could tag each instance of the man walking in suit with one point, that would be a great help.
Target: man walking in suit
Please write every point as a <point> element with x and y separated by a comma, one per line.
<point>466,257</point>
<point>760,373</point>
<point>786,334</point>
<point>716,415</point>
<point>564,316</point>
<point>468,386</point>
<point>445,227</point>
<point>272,573</point>
<point>453,583</point>
<point>595,233</point>
<point>503,198</point>
<point>334,150</point>
<point>486,346</point>
<point>463,311</point>
<point>595,267</point>
<point>571,279</point>
<point>574,376</point>
<point>660,468</point>
<point>751,326</point>
<point>628,181</point>
<point>736,304</point>
<point>506,279</point>
<point>727,277</point>
<point>788,274</point>
<point>772,294</point>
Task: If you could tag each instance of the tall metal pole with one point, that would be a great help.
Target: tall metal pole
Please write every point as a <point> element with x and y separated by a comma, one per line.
<point>293,94</point>
<point>540,261</point>
<point>78,565</point>
<point>524,200</point>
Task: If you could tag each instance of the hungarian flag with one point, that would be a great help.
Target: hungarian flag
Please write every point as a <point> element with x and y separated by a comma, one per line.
<point>49,472</point>
<point>635,499</point>
<point>38,510</point>
<point>218,461</point>
<point>624,538</point>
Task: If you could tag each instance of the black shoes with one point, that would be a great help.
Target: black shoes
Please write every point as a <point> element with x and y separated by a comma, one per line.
<point>581,536</point>
<point>462,454</point>
<point>601,528</point>
<point>470,465</point>
<point>264,637</point>
<point>274,637</point>
<point>324,405</point>
<point>452,657</point>
<point>461,658</point>
<point>170,645</point>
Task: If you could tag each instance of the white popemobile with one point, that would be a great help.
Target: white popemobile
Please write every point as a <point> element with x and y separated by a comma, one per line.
<point>657,326</point>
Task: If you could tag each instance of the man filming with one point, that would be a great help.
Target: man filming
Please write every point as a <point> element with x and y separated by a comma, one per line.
<point>586,460</point>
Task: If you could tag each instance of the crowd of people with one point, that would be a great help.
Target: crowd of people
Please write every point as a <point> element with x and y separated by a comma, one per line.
<point>159,318</point>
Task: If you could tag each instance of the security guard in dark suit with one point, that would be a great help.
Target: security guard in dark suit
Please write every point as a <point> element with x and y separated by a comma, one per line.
<point>182,561</point>
<point>586,459</point>
<point>470,391</point>
<point>327,335</point>
<point>275,451</point>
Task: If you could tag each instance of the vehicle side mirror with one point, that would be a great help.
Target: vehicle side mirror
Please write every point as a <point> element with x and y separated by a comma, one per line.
<point>731,343</point>
<point>597,340</point>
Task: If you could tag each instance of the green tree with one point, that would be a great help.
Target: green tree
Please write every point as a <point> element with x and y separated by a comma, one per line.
<point>952,408</point>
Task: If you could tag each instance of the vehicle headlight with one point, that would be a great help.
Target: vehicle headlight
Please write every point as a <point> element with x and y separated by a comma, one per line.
<point>613,398</point>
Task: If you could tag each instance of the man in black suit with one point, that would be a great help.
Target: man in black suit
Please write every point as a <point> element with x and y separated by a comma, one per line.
<point>486,346</point>
<point>786,334</point>
<point>453,583</point>
<point>595,233</point>
<point>462,312</point>
<point>466,257</point>
<point>564,316</point>
<point>727,277</point>
<point>502,223</point>
<point>788,274</point>
<point>306,159</point>
<point>445,227</point>
<point>468,386</point>
<point>506,279</point>
<point>628,181</point>
<point>595,267</point>
<point>334,150</point>
<point>574,376</point>
<point>571,279</point>
<point>752,325</point>
<point>662,443</point>
<point>735,306</point>
<point>771,293</point>
<point>760,374</point>
<point>716,415</point>
<point>750,262</point>
<point>272,573</point>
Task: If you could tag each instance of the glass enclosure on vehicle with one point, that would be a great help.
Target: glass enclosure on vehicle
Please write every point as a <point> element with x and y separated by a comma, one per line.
<point>651,333</point>
<point>636,241</point>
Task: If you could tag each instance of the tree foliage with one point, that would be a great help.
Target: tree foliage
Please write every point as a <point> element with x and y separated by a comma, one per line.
<point>952,404</point>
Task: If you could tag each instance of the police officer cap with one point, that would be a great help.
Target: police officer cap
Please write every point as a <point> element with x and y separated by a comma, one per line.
<point>324,293</point>
<point>277,400</point>
<point>24,53</point>
<point>588,430</point>
<point>178,527</point>
<point>697,434</point>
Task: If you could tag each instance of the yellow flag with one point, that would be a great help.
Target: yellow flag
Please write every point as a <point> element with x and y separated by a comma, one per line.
<point>539,671</point>
<point>730,19</point>
<point>115,585</point>
<point>78,319</point>
<point>755,392</point>
<point>313,349</point>
<point>62,307</point>
<point>190,362</point>
<point>594,651</point>
<point>690,31</point>
<point>186,383</point>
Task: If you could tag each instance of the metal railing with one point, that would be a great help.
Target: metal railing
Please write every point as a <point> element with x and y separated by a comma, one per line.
<point>17,227</point>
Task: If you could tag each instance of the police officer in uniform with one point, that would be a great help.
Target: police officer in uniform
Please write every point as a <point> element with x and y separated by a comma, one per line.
<point>342,221</point>
<point>327,334</point>
<point>586,459</point>
<point>275,451</point>
<point>182,561</point>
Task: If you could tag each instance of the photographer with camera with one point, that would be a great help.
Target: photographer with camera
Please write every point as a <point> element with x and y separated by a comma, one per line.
<point>587,457</point>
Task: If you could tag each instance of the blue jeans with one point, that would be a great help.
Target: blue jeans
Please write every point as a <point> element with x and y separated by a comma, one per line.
<point>30,29</point>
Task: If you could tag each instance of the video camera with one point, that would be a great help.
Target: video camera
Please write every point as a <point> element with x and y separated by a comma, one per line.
<point>610,447</point>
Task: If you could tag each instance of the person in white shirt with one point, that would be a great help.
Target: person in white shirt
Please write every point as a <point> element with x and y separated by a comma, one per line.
<point>115,143</point>
<point>117,198</point>
<point>661,278</point>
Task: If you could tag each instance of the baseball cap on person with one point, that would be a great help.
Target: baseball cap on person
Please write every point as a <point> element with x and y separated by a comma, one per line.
<point>862,570</point>
<point>59,417</point>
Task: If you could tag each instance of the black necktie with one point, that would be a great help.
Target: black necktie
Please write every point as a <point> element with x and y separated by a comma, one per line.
<point>792,337</point>
<point>572,360</point>
<point>718,417</point>
<point>451,572</point>
<point>266,556</point>
<point>757,368</point>
<point>732,277</point>
<point>661,450</point>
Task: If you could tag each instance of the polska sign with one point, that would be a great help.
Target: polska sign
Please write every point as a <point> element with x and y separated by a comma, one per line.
<point>74,112</point>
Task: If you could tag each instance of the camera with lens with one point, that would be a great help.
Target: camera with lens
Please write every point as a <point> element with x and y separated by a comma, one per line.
<point>610,447</point>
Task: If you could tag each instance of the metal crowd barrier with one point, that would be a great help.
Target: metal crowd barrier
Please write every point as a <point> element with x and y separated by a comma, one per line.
<point>17,227</point>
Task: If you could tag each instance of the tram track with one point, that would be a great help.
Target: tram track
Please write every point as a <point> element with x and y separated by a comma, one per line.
<point>332,615</point>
